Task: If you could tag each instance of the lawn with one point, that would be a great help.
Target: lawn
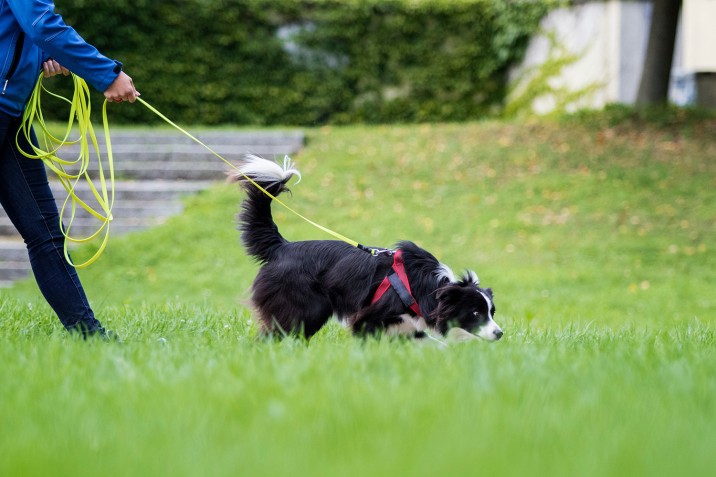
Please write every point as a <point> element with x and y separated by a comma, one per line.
<point>595,233</point>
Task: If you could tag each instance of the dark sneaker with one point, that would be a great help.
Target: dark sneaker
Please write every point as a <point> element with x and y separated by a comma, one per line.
<point>93,329</point>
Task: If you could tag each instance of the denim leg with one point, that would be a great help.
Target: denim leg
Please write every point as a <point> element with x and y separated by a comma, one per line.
<point>26,196</point>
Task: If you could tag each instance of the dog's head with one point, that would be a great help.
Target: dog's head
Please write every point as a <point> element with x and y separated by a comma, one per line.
<point>463,304</point>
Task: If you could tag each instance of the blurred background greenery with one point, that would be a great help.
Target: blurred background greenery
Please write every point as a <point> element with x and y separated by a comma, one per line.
<point>310,62</point>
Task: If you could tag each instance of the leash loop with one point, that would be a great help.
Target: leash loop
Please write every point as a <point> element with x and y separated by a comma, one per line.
<point>103,193</point>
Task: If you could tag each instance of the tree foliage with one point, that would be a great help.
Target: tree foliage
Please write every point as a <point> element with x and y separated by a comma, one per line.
<point>306,62</point>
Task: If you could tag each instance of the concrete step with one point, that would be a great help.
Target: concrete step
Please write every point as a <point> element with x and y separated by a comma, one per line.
<point>139,190</point>
<point>137,205</point>
<point>13,250</point>
<point>14,263</point>
<point>204,169</point>
<point>11,271</point>
<point>171,155</point>
<point>293,138</point>
<point>86,225</point>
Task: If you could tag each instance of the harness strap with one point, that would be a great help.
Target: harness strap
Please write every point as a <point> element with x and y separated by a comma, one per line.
<point>398,279</point>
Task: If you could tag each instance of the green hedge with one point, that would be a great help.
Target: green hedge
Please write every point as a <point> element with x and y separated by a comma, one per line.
<point>303,62</point>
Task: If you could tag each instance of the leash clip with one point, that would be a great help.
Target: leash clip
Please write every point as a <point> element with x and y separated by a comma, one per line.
<point>375,251</point>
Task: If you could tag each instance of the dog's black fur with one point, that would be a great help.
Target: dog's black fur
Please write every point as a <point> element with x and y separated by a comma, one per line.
<point>302,284</point>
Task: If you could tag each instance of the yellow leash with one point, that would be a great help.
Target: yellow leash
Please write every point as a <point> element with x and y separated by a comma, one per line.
<point>80,111</point>
<point>274,198</point>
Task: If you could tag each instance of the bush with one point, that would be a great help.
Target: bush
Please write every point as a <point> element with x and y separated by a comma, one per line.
<point>308,62</point>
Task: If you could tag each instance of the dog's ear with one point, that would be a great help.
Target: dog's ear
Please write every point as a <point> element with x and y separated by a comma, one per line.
<point>450,293</point>
<point>451,300</point>
<point>489,292</point>
<point>469,278</point>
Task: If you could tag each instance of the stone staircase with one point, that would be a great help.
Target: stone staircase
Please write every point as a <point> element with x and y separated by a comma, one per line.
<point>154,169</point>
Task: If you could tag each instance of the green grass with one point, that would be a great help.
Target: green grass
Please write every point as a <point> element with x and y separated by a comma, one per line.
<point>596,236</point>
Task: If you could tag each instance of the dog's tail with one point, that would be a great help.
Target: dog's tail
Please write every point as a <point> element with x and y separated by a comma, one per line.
<point>259,233</point>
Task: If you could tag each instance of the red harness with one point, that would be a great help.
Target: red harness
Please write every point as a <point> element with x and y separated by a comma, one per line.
<point>398,279</point>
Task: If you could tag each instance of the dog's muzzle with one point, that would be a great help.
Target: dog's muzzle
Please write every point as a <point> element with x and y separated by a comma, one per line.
<point>490,331</point>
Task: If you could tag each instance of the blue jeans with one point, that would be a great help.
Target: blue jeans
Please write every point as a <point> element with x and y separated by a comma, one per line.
<point>27,199</point>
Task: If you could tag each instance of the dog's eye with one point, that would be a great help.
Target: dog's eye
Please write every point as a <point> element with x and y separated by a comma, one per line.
<point>474,313</point>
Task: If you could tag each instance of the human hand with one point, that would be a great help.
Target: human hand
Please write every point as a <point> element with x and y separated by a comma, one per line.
<point>51,68</point>
<point>121,89</point>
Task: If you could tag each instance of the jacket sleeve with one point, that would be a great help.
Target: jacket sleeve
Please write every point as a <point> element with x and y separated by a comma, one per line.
<point>48,31</point>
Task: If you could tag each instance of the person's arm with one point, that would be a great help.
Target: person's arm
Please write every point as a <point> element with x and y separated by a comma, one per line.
<point>122,89</point>
<point>62,43</point>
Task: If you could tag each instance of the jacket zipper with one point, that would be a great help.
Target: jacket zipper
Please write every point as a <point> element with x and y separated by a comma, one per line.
<point>15,60</point>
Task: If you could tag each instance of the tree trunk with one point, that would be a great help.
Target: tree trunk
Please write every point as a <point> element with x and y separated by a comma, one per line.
<point>654,85</point>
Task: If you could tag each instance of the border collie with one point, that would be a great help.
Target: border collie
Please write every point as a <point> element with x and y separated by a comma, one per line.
<point>300,285</point>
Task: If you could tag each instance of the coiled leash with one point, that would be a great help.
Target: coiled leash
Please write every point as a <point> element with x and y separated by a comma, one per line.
<point>104,195</point>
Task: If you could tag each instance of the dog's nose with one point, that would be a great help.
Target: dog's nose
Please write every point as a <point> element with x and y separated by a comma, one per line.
<point>498,334</point>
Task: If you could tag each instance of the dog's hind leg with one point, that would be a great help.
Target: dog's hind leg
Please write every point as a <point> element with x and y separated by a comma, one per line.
<point>280,322</point>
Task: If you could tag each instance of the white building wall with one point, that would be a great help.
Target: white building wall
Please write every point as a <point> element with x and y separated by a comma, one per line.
<point>633,19</point>
<point>699,40</point>
<point>611,38</point>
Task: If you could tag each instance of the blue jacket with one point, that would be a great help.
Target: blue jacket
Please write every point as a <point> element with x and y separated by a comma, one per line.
<point>30,33</point>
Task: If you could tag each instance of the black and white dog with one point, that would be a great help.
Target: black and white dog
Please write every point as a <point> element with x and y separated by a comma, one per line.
<point>302,284</point>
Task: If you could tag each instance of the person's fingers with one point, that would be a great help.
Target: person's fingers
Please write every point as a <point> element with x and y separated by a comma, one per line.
<point>48,68</point>
<point>122,89</point>
<point>115,90</point>
<point>133,93</point>
<point>51,68</point>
